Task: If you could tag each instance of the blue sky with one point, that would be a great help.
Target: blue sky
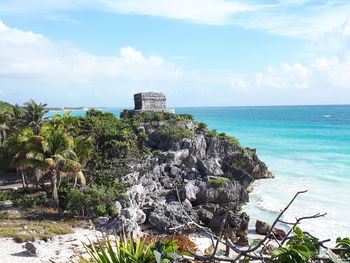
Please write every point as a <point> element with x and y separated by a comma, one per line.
<point>197,52</point>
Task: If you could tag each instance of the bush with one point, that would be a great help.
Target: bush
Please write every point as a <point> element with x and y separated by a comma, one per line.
<point>26,198</point>
<point>168,134</point>
<point>96,201</point>
<point>113,137</point>
<point>211,133</point>
<point>202,125</point>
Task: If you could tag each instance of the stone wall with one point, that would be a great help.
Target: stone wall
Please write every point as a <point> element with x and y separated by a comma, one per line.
<point>150,102</point>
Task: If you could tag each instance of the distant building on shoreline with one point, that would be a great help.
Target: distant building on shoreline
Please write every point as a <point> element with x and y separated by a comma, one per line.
<point>150,102</point>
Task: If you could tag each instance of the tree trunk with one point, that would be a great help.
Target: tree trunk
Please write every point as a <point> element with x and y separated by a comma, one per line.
<point>82,179</point>
<point>59,179</point>
<point>23,179</point>
<point>54,190</point>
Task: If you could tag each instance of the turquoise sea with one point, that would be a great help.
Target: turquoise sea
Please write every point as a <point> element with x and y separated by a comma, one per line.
<point>306,147</point>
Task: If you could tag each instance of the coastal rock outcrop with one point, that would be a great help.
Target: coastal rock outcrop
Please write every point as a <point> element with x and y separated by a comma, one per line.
<point>173,218</point>
<point>199,180</point>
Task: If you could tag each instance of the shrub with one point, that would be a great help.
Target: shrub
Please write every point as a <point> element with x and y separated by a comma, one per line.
<point>113,137</point>
<point>168,134</point>
<point>26,198</point>
<point>202,125</point>
<point>126,114</point>
<point>96,201</point>
<point>212,133</point>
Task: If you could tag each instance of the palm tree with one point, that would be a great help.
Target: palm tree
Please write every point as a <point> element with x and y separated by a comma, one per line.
<point>66,123</point>
<point>33,115</point>
<point>17,118</point>
<point>15,145</point>
<point>4,119</point>
<point>84,149</point>
<point>52,152</point>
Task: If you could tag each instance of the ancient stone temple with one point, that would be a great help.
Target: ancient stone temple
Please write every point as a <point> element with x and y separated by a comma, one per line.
<point>150,102</point>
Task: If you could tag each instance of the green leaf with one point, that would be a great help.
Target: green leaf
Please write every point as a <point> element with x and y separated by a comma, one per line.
<point>298,232</point>
<point>158,256</point>
<point>277,252</point>
<point>335,258</point>
<point>172,255</point>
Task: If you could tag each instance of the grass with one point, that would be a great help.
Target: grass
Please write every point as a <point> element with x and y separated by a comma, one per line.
<point>219,181</point>
<point>35,226</point>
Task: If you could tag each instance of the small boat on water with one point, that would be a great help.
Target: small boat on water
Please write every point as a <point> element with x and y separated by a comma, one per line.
<point>327,116</point>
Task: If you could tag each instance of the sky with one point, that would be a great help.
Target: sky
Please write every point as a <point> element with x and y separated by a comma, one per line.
<point>197,52</point>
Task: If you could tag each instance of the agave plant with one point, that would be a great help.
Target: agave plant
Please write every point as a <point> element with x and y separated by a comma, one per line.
<point>126,250</point>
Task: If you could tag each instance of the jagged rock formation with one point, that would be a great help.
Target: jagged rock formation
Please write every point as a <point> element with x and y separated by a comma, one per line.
<point>192,179</point>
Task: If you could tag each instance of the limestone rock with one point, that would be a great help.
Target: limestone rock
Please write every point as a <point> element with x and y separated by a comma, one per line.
<point>210,166</point>
<point>171,215</point>
<point>262,228</point>
<point>134,214</point>
<point>121,225</point>
<point>279,234</point>
<point>268,249</point>
<point>189,191</point>
<point>227,193</point>
<point>224,221</point>
<point>102,220</point>
<point>32,249</point>
<point>131,178</point>
<point>204,215</point>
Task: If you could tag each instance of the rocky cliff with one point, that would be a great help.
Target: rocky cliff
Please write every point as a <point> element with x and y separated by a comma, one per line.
<point>189,181</point>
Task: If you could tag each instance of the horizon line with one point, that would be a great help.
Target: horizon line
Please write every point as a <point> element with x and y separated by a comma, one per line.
<point>226,106</point>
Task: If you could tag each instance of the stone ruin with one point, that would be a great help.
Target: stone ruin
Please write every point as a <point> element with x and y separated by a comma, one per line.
<point>150,102</point>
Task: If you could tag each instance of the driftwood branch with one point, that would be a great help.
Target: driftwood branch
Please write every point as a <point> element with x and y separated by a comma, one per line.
<point>275,222</point>
<point>251,252</point>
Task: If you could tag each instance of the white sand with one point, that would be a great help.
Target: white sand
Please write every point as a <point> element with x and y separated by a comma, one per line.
<point>59,250</point>
<point>63,248</point>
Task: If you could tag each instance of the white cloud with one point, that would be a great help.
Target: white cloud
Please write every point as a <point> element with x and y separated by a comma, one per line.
<point>31,61</point>
<point>325,73</point>
<point>198,11</point>
<point>306,19</point>
<point>30,55</point>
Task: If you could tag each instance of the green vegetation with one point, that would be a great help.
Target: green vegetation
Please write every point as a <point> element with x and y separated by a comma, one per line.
<point>145,117</point>
<point>219,181</point>
<point>70,153</point>
<point>343,246</point>
<point>96,201</point>
<point>78,161</point>
<point>299,249</point>
<point>125,250</point>
<point>168,134</point>
<point>39,224</point>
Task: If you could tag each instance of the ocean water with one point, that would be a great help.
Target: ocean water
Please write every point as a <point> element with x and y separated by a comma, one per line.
<point>306,148</point>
